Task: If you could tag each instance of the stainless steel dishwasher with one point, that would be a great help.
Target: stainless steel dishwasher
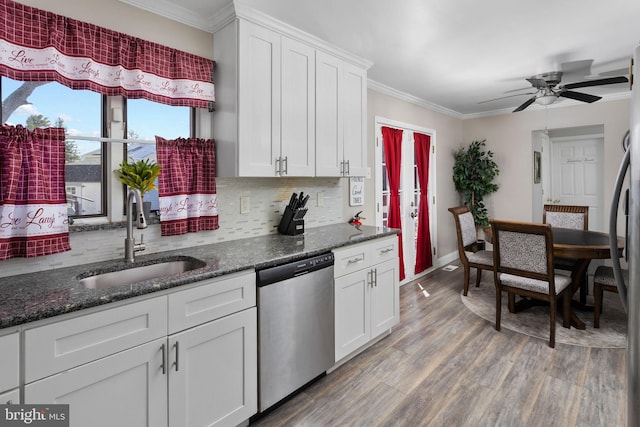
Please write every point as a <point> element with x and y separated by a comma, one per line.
<point>295,326</point>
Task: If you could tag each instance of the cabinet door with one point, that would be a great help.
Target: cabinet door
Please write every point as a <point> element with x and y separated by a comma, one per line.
<point>258,100</point>
<point>355,120</point>
<point>385,297</point>
<point>329,123</point>
<point>352,312</point>
<point>297,143</point>
<point>10,366</point>
<point>213,372</point>
<point>125,389</point>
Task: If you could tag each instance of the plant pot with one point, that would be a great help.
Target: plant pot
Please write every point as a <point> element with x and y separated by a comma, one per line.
<point>476,246</point>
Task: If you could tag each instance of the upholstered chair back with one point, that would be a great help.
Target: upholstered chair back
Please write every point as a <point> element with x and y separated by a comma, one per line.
<point>468,228</point>
<point>566,216</point>
<point>523,251</point>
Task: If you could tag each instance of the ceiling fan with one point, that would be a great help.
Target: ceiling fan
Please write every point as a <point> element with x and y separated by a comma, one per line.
<point>549,89</point>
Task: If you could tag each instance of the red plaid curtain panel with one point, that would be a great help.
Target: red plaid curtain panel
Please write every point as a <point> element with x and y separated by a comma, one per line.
<point>33,202</point>
<point>187,185</point>
<point>37,45</point>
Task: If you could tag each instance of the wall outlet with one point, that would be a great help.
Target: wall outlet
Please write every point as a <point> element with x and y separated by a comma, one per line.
<point>320,199</point>
<point>245,205</point>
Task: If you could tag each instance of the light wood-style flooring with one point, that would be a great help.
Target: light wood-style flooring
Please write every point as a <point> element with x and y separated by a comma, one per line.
<point>445,366</point>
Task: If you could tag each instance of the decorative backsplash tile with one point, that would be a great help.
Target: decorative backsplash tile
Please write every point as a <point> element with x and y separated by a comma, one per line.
<point>267,200</point>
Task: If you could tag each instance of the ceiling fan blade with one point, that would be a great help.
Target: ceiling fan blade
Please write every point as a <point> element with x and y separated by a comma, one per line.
<point>526,104</point>
<point>597,82</point>
<point>578,96</point>
<point>505,97</point>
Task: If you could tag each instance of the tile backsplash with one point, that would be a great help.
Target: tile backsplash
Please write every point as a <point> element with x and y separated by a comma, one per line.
<point>267,198</point>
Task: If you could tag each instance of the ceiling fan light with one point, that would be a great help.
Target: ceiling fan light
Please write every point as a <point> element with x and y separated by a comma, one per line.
<point>546,99</point>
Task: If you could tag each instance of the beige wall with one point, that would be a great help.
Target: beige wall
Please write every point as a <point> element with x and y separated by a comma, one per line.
<point>118,16</point>
<point>448,138</point>
<point>509,137</point>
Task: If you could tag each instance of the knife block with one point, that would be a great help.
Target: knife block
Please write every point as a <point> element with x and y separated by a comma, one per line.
<point>292,222</point>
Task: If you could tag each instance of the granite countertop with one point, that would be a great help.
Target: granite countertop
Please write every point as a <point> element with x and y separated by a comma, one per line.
<point>35,296</point>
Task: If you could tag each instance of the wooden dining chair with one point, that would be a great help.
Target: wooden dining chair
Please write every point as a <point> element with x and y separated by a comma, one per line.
<point>523,260</point>
<point>568,216</point>
<point>469,255</point>
<point>604,280</point>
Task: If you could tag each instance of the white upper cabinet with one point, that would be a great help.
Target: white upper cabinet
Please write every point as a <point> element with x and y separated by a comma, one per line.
<point>273,133</point>
<point>341,106</point>
<point>258,101</point>
<point>329,115</point>
<point>278,100</point>
<point>355,121</point>
<point>297,111</point>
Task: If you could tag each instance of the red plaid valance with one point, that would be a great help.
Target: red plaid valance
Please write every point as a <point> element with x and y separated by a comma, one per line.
<point>37,45</point>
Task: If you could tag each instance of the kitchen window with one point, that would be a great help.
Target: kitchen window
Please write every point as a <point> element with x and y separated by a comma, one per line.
<point>83,114</point>
<point>145,120</point>
<point>50,104</point>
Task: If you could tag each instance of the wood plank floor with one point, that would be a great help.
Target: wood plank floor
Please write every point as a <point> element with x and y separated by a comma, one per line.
<point>445,366</point>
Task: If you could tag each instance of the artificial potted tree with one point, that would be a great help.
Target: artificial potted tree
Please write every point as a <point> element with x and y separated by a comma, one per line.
<point>140,175</point>
<point>473,173</point>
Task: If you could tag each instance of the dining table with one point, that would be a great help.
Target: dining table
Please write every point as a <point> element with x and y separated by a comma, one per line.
<point>581,246</point>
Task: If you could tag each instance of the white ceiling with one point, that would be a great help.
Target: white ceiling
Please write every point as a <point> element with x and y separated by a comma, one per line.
<point>456,54</point>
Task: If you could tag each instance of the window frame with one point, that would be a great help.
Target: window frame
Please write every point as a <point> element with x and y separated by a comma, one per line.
<point>114,150</point>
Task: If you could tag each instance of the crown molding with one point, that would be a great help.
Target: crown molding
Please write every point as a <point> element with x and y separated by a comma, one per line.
<point>174,12</point>
<point>403,96</point>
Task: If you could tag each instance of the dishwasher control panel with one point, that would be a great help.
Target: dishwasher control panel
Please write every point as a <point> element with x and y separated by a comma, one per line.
<point>296,268</point>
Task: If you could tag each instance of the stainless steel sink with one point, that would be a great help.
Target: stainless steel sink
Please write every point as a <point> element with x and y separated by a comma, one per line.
<point>141,273</point>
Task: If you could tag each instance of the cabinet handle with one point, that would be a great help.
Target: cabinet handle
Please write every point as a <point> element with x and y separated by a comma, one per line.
<point>354,260</point>
<point>177,351</point>
<point>286,166</point>
<point>369,279</point>
<point>386,251</point>
<point>348,168</point>
<point>164,359</point>
<point>374,275</point>
<point>277,162</point>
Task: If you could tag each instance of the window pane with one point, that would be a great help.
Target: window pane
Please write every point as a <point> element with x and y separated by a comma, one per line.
<point>47,104</point>
<point>145,120</point>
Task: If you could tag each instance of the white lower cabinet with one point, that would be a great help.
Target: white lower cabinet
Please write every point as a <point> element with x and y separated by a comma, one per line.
<point>125,389</point>
<point>10,368</point>
<point>366,293</point>
<point>213,372</point>
<point>204,373</point>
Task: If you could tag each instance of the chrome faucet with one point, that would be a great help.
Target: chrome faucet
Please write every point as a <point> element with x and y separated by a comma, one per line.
<point>130,245</point>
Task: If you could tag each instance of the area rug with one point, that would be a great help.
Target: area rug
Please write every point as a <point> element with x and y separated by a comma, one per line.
<point>534,321</point>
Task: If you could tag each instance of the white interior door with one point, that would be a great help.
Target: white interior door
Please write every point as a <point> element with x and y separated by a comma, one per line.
<point>577,175</point>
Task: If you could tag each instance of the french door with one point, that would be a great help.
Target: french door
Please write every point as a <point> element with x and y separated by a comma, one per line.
<point>409,191</point>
